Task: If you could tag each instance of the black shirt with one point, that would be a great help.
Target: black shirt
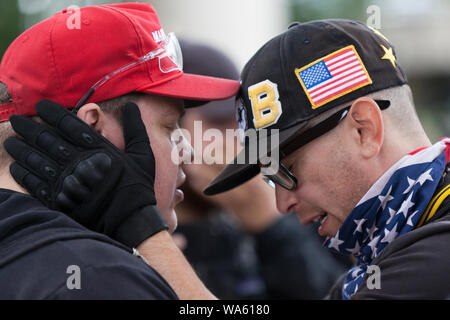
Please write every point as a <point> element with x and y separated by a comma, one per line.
<point>46,255</point>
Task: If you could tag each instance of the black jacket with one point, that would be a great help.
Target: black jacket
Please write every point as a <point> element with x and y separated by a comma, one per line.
<point>41,251</point>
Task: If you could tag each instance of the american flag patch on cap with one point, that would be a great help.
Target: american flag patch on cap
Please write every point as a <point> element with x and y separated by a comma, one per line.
<point>333,76</point>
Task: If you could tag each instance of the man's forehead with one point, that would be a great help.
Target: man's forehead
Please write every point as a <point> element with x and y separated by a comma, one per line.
<point>164,106</point>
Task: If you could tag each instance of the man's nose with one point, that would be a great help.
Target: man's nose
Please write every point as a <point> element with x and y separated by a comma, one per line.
<point>286,200</point>
<point>191,151</point>
<point>185,151</point>
<point>181,177</point>
<point>187,148</point>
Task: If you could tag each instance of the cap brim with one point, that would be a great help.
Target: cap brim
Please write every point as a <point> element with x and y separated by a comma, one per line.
<point>235,174</point>
<point>196,89</point>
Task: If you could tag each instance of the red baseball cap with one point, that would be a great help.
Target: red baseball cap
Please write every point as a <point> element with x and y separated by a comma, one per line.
<point>117,49</point>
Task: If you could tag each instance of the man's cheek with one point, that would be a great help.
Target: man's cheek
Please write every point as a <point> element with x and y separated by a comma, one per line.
<point>159,191</point>
<point>164,202</point>
<point>164,185</point>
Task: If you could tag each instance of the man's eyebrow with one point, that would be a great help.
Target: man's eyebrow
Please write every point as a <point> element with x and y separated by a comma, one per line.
<point>178,112</point>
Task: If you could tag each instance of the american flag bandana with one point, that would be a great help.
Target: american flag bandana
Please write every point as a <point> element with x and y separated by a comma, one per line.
<point>392,207</point>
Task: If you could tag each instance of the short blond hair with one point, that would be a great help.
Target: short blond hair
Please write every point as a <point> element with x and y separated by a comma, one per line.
<point>400,116</point>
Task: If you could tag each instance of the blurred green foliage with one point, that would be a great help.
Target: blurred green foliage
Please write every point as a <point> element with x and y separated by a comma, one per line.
<point>10,23</point>
<point>305,10</point>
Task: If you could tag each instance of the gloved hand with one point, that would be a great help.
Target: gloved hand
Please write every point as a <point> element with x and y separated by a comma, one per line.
<point>71,168</point>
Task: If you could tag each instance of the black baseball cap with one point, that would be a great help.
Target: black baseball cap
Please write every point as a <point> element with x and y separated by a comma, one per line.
<point>309,69</point>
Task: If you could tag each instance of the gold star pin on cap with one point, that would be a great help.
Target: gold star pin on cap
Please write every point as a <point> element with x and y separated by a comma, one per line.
<point>388,55</point>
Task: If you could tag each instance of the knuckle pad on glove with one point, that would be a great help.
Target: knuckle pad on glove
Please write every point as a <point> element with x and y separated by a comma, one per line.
<point>55,147</point>
<point>31,182</point>
<point>78,131</point>
<point>44,194</point>
<point>74,189</point>
<point>41,165</point>
<point>66,152</point>
<point>40,189</point>
<point>93,170</point>
<point>45,140</point>
<point>64,203</point>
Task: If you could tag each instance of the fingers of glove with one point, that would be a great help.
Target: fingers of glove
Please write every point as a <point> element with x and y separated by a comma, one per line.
<point>134,131</point>
<point>68,124</point>
<point>32,159</point>
<point>26,127</point>
<point>137,143</point>
<point>38,135</point>
<point>32,183</point>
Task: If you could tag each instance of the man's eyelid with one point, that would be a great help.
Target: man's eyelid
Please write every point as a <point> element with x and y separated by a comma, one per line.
<point>172,122</point>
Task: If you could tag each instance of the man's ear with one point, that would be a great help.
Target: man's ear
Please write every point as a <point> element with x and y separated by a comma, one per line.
<point>93,116</point>
<point>103,122</point>
<point>366,123</point>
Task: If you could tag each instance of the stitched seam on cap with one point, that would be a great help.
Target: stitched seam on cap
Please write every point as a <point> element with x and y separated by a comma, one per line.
<point>139,41</point>
<point>52,56</point>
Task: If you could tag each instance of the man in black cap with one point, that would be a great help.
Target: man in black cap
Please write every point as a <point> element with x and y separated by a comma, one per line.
<point>353,155</point>
<point>265,254</point>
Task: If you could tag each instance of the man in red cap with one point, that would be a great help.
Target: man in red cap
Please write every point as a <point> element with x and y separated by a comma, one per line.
<point>117,68</point>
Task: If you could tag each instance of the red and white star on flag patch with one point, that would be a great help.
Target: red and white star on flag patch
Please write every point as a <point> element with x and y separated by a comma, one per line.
<point>333,76</point>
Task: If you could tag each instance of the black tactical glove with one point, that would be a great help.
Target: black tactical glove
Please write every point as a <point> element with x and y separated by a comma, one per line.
<point>70,167</point>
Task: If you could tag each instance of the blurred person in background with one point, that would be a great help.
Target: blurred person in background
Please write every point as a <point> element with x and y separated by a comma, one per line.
<point>238,242</point>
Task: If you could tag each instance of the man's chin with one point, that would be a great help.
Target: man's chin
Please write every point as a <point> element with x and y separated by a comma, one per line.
<point>333,231</point>
<point>171,220</point>
<point>329,227</point>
